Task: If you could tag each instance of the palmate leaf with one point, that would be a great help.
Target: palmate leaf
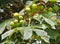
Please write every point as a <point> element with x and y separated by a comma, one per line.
<point>27,33</point>
<point>42,34</point>
<point>5,23</point>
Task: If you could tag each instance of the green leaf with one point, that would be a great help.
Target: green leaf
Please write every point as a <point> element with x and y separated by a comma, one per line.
<point>50,14</point>
<point>37,17</point>
<point>21,29</point>
<point>43,42</point>
<point>50,22</point>
<point>44,26</point>
<point>42,34</point>
<point>4,24</point>
<point>52,33</point>
<point>6,34</point>
<point>27,33</point>
<point>10,42</point>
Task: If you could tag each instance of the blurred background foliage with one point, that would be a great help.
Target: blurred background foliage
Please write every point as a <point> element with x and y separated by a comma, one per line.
<point>8,7</point>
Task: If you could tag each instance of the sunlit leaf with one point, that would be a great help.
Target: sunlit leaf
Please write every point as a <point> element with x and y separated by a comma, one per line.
<point>3,24</point>
<point>44,26</point>
<point>10,42</point>
<point>37,17</point>
<point>21,12</point>
<point>42,34</point>
<point>21,29</point>
<point>27,33</point>
<point>45,38</point>
<point>50,22</point>
<point>6,34</point>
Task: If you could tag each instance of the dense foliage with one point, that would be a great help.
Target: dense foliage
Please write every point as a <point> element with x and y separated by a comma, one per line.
<point>37,22</point>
